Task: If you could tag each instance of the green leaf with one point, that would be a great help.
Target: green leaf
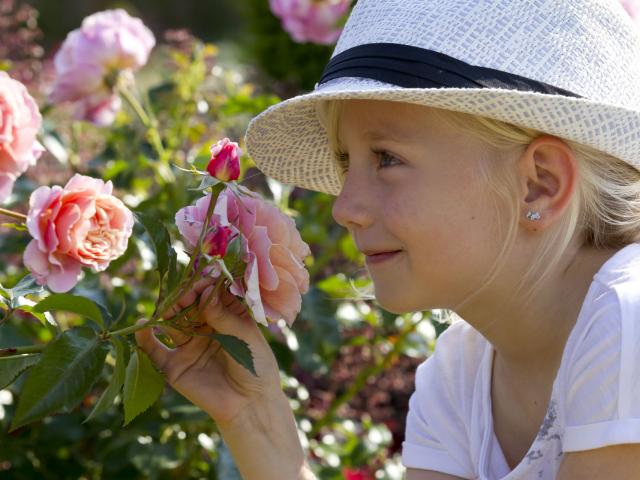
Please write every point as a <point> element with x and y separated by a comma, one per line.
<point>71,303</point>
<point>11,367</point>
<point>26,286</point>
<point>225,270</point>
<point>206,182</point>
<point>238,350</point>
<point>115,384</point>
<point>43,317</point>
<point>143,385</point>
<point>67,369</point>
<point>173,277</point>
<point>165,254</point>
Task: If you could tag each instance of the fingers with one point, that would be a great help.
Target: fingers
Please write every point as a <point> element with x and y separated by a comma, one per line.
<point>154,348</point>
<point>188,298</point>
<point>225,313</point>
<point>178,338</point>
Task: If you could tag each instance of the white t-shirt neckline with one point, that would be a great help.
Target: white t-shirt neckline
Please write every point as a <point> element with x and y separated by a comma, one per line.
<point>492,454</point>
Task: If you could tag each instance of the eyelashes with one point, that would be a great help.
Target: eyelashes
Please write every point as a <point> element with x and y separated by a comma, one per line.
<point>343,159</point>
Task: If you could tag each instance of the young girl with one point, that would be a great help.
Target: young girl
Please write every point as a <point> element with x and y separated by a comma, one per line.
<point>485,155</point>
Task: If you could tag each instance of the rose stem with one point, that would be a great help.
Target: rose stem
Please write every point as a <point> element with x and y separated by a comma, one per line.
<point>13,214</point>
<point>15,351</point>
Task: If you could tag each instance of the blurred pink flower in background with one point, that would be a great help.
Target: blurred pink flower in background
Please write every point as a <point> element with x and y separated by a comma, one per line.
<point>20,121</point>
<point>225,160</point>
<point>79,225</point>
<point>275,276</point>
<point>313,21</point>
<point>633,8</point>
<point>92,57</point>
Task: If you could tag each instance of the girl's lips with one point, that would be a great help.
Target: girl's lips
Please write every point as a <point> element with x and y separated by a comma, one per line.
<point>381,257</point>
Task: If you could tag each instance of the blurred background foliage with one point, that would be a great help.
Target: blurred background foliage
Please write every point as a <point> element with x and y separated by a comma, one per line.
<point>347,365</point>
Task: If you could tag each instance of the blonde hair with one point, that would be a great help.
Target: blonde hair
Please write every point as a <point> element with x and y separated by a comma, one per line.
<point>604,212</point>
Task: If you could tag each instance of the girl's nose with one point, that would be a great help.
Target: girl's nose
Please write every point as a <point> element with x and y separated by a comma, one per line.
<point>353,207</point>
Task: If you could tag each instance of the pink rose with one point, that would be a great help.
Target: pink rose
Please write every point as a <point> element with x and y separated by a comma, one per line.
<point>311,20</point>
<point>91,59</point>
<point>80,225</point>
<point>20,120</point>
<point>275,276</point>
<point>225,160</point>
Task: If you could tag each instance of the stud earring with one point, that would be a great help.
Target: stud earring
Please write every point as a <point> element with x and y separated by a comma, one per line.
<point>533,215</point>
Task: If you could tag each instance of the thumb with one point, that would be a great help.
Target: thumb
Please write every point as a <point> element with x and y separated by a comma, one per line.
<point>226,314</point>
<point>154,348</point>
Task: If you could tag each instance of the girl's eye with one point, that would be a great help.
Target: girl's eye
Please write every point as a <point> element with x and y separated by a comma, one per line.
<point>343,160</point>
<point>386,159</point>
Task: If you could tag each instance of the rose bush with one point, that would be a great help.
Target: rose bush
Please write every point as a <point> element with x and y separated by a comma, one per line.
<point>79,225</point>
<point>88,64</point>
<point>60,396</point>
<point>20,121</point>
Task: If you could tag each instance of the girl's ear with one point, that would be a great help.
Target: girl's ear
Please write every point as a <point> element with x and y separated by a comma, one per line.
<point>548,175</point>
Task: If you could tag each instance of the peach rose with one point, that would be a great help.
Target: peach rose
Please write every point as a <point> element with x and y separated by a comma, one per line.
<point>80,225</point>
<point>275,276</point>
<point>20,120</point>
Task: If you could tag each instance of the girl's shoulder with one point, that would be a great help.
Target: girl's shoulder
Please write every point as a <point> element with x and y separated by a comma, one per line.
<point>597,385</point>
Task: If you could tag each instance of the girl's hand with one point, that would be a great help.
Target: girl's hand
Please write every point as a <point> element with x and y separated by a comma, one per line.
<point>201,370</point>
<point>252,413</point>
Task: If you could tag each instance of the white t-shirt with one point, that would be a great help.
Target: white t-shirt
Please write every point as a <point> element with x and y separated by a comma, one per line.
<point>595,399</point>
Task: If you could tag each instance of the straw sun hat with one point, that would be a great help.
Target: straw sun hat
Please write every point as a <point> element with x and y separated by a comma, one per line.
<point>570,68</point>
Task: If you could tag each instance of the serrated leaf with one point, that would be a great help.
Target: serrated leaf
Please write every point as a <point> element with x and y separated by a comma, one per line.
<point>165,254</point>
<point>115,384</point>
<point>11,367</point>
<point>67,369</point>
<point>238,350</point>
<point>71,303</point>
<point>143,385</point>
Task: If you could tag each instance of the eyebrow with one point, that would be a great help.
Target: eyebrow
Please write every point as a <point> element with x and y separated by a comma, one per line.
<point>394,134</point>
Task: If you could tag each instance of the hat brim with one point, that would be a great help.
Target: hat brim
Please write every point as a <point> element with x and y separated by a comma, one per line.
<point>288,142</point>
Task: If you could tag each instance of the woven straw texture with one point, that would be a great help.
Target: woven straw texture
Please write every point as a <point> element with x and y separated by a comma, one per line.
<point>589,47</point>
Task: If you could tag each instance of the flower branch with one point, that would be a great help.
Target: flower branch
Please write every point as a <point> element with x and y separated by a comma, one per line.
<point>12,214</point>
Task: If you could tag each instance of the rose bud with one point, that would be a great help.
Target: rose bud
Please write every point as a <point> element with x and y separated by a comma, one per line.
<point>217,242</point>
<point>225,160</point>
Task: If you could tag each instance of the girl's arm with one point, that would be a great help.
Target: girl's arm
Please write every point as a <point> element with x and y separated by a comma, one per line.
<point>616,462</point>
<point>264,442</point>
<point>251,412</point>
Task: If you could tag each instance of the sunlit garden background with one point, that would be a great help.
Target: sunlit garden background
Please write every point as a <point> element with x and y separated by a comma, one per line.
<point>346,365</point>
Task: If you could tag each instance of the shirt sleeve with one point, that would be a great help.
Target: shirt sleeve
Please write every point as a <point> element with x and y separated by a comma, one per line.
<point>435,436</point>
<point>602,403</point>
